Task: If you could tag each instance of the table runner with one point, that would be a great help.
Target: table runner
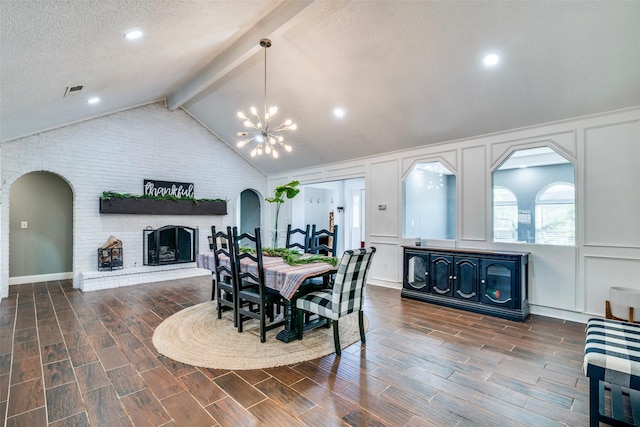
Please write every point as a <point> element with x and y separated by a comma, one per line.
<point>279,275</point>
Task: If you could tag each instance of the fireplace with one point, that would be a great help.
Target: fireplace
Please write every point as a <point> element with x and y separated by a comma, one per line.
<point>171,244</point>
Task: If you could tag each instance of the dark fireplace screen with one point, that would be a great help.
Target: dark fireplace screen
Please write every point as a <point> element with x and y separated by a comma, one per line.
<point>171,244</point>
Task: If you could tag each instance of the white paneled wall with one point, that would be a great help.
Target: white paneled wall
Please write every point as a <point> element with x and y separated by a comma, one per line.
<point>117,152</point>
<point>567,282</point>
<point>472,191</point>
<point>610,196</point>
<point>382,200</point>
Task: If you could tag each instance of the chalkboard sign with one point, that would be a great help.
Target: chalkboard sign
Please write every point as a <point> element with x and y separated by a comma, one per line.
<point>167,188</point>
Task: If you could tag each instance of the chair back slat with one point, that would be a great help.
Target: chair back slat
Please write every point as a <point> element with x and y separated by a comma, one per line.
<point>293,240</point>
<point>350,280</point>
<point>330,247</point>
<point>253,240</point>
<point>255,299</point>
<point>222,270</point>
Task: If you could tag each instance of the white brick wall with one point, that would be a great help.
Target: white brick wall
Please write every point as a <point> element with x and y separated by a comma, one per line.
<point>117,152</point>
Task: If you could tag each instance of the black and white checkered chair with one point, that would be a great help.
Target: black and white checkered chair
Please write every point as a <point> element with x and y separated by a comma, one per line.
<point>345,297</point>
<point>612,363</point>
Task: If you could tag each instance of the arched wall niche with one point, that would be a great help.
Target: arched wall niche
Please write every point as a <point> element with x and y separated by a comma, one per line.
<point>40,227</point>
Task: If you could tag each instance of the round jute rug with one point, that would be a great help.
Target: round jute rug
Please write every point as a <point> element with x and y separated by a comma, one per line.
<point>197,337</point>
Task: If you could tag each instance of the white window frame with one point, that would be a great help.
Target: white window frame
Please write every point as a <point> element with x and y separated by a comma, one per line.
<point>565,235</point>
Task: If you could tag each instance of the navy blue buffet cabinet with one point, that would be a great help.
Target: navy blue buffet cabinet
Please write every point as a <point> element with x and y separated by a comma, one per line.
<point>487,282</point>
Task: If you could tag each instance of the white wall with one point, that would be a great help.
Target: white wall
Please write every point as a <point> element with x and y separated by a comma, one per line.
<point>117,152</point>
<point>567,282</point>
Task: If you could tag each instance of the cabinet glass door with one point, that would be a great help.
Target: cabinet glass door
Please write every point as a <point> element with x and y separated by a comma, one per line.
<point>417,272</point>
<point>497,279</point>
<point>465,279</point>
<point>441,275</point>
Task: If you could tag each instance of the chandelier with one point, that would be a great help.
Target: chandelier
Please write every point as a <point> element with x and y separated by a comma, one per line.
<point>266,137</point>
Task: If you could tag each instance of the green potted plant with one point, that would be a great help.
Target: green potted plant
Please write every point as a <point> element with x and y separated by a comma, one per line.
<point>288,190</point>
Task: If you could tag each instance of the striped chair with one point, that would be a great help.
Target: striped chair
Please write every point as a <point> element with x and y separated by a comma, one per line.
<point>612,363</point>
<point>345,297</point>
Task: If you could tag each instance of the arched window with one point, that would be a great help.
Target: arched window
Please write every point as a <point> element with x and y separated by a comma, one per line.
<point>505,215</point>
<point>534,198</point>
<point>556,215</point>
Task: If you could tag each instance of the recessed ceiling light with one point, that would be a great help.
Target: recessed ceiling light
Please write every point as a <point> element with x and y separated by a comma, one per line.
<point>133,35</point>
<point>93,100</point>
<point>491,59</point>
<point>338,112</point>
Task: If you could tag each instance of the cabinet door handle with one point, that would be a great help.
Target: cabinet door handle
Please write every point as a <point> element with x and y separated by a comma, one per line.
<point>455,277</point>
<point>450,277</point>
<point>482,281</point>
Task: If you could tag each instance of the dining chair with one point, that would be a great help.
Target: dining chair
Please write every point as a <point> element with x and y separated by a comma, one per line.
<point>323,241</point>
<point>255,299</point>
<point>293,240</point>
<point>225,291</point>
<point>345,297</point>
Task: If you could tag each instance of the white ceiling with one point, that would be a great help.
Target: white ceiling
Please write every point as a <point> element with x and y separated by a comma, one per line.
<point>407,73</point>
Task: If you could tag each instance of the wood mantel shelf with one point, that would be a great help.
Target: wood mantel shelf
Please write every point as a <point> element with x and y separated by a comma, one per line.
<point>162,207</point>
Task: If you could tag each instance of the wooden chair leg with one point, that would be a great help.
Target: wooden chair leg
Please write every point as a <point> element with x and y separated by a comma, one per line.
<point>218,305</point>
<point>594,402</point>
<point>235,311</point>
<point>336,338</point>
<point>300,322</point>
<point>361,324</point>
<point>607,306</point>
<point>270,312</point>
<point>239,318</point>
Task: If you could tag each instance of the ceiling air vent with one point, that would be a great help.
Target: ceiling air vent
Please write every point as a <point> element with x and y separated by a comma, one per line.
<point>72,90</point>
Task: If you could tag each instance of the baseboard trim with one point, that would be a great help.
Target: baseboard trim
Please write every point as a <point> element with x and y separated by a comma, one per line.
<point>20,280</point>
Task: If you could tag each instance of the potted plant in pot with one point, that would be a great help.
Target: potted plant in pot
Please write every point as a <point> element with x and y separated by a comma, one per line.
<point>288,190</point>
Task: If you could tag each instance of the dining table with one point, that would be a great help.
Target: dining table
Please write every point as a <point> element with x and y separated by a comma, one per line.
<point>287,279</point>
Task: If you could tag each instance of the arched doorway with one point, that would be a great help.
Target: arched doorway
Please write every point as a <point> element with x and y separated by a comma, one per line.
<point>40,228</point>
<point>249,211</point>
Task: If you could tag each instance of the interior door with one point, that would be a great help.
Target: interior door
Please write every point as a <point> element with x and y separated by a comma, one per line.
<point>249,217</point>
<point>355,230</point>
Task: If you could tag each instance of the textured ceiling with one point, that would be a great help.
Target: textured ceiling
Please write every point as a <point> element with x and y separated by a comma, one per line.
<point>408,73</point>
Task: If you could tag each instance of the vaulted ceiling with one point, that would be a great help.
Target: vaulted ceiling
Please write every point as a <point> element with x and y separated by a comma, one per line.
<point>406,73</point>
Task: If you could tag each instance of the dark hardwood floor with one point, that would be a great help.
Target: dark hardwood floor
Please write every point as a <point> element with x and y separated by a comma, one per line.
<point>69,358</point>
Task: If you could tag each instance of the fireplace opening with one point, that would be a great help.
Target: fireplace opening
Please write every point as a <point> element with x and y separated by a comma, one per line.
<point>171,244</point>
